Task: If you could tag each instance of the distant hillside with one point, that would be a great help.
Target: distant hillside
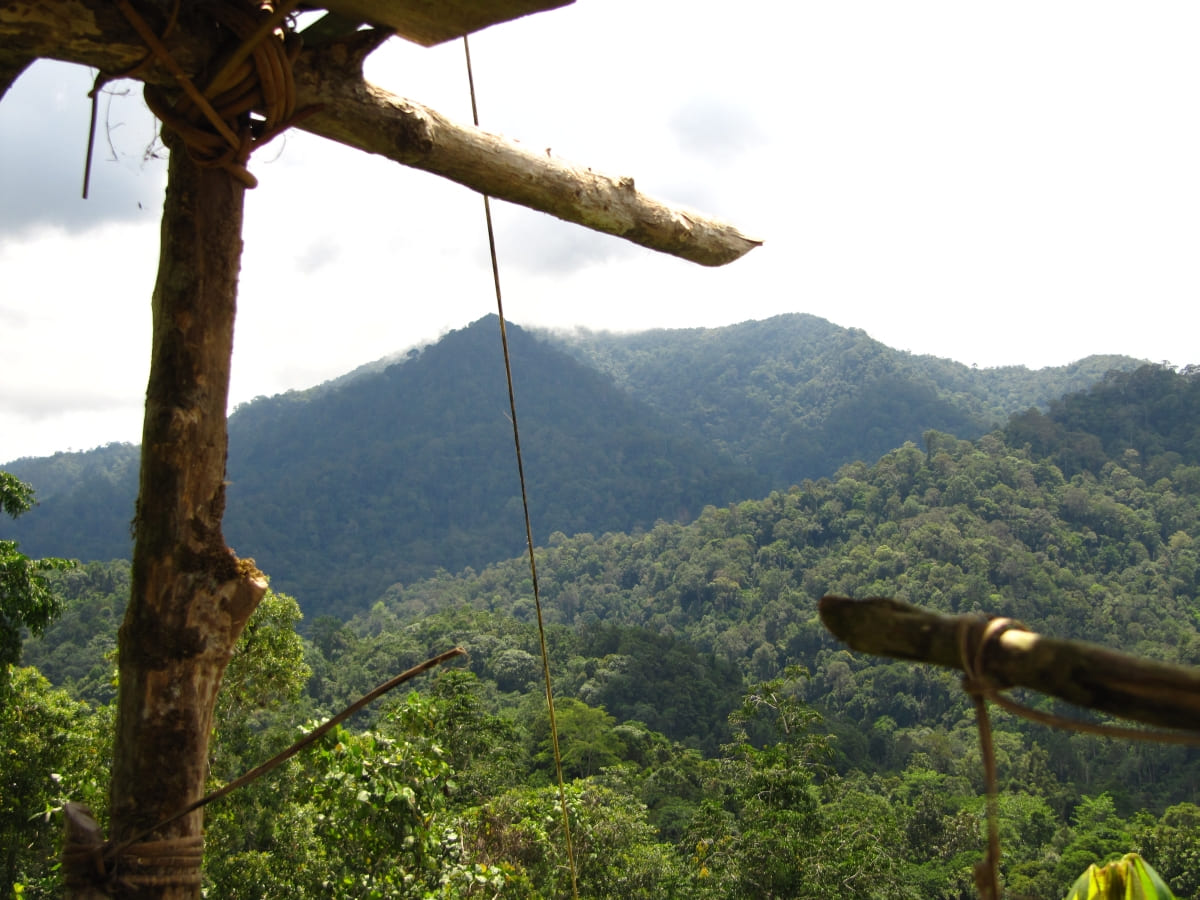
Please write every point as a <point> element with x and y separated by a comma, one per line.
<point>85,503</point>
<point>339,493</point>
<point>796,396</point>
<point>1108,555</point>
<point>1080,522</point>
<point>395,471</point>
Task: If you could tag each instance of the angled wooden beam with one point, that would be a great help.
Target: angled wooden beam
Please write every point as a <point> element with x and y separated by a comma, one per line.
<point>353,112</point>
<point>357,114</point>
<point>1086,675</point>
<point>11,68</point>
<point>429,22</point>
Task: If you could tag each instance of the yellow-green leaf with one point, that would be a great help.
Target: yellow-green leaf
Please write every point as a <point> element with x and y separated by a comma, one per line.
<point>1129,878</point>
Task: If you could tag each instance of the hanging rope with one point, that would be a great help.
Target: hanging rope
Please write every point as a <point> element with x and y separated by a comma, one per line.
<point>103,78</point>
<point>537,601</point>
<point>987,872</point>
<point>983,688</point>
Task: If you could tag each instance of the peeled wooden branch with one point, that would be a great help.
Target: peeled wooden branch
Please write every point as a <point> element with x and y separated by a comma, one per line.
<point>10,68</point>
<point>353,112</point>
<point>359,115</point>
<point>432,23</point>
<point>1084,674</point>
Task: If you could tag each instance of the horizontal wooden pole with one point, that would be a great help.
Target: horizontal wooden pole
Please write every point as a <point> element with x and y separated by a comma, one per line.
<point>429,23</point>
<point>355,113</point>
<point>1084,674</point>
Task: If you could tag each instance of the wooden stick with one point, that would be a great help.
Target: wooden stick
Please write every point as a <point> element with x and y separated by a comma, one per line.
<point>359,115</point>
<point>432,23</point>
<point>1084,674</point>
<point>352,112</point>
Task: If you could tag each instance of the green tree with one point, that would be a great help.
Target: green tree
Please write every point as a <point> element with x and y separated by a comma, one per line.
<point>265,675</point>
<point>616,853</point>
<point>486,751</point>
<point>353,816</point>
<point>1097,835</point>
<point>26,600</point>
<point>755,836</point>
<point>1173,846</point>
<point>587,739</point>
<point>51,747</point>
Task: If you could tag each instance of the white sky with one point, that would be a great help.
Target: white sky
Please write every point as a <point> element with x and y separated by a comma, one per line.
<point>997,183</point>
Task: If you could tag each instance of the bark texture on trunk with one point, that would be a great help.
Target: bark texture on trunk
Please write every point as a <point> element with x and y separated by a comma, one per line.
<point>191,596</point>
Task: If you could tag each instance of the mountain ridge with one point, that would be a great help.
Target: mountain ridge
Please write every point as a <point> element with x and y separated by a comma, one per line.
<point>400,469</point>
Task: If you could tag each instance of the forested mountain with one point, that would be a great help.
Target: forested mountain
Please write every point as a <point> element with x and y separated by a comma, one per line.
<point>389,474</point>
<point>84,502</point>
<point>344,492</point>
<point>865,774</point>
<point>796,396</point>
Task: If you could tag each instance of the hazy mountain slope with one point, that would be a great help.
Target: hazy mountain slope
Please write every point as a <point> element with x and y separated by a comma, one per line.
<point>339,493</point>
<point>85,503</point>
<point>796,396</point>
<point>394,471</point>
<point>1109,556</point>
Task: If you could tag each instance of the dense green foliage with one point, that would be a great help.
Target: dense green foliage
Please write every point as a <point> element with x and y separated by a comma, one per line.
<point>52,748</point>
<point>393,472</point>
<point>26,601</point>
<point>796,397</point>
<point>718,742</point>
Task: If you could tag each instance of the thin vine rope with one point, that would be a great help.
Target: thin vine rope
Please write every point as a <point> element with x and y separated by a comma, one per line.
<point>537,600</point>
<point>981,688</point>
<point>89,859</point>
<point>987,872</point>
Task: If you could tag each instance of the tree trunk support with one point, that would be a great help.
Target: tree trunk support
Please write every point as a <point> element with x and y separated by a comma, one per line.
<point>191,596</point>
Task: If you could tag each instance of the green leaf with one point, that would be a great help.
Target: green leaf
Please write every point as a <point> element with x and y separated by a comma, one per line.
<point>1129,878</point>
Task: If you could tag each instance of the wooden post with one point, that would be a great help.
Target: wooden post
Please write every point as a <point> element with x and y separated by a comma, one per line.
<point>191,596</point>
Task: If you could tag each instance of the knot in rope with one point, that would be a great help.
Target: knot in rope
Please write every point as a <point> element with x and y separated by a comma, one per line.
<point>971,650</point>
<point>980,686</point>
<point>249,95</point>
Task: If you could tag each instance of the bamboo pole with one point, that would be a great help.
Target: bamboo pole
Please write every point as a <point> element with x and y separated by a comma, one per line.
<point>1084,674</point>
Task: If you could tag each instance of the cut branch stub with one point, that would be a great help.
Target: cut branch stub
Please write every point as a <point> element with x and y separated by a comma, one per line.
<point>1084,674</point>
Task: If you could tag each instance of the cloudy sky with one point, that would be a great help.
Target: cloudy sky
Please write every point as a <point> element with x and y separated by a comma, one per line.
<point>1013,183</point>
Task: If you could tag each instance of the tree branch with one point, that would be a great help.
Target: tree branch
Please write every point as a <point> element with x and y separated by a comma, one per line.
<point>432,23</point>
<point>11,68</point>
<point>353,112</point>
<point>1084,674</point>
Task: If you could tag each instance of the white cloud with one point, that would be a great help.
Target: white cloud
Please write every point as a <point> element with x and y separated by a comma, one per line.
<point>999,184</point>
<point>43,149</point>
